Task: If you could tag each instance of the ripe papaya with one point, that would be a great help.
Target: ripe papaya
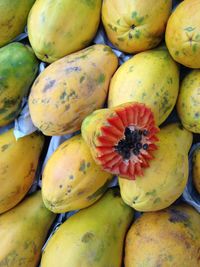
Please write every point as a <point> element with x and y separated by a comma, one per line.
<point>18,68</point>
<point>23,232</point>
<point>196,169</point>
<point>65,26</point>
<point>70,89</point>
<point>164,181</point>
<point>139,79</point>
<point>188,103</point>
<point>71,179</point>
<point>93,237</point>
<point>13,17</point>
<point>167,238</point>
<point>182,34</point>
<point>18,161</point>
<point>135,26</point>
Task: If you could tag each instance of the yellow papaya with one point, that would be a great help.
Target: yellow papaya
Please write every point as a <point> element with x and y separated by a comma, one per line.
<point>23,232</point>
<point>196,169</point>
<point>71,179</point>
<point>13,17</point>
<point>65,26</point>
<point>164,181</point>
<point>188,103</point>
<point>139,79</point>
<point>167,238</point>
<point>18,68</point>
<point>93,237</point>
<point>135,26</point>
<point>182,34</point>
<point>70,89</point>
<point>18,161</point>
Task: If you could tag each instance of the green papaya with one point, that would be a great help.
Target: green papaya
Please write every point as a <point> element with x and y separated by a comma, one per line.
<point>13,17</point>
<point>18,68</point>
<point>93,237</point>
<point>65,26</point>
<point>23,231</point>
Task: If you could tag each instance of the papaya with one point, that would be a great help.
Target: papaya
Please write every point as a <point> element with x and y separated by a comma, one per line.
<point>135,26</point>
<point>13,17</point>
<point>121,139</point>
<point>64,27</point>
<point>18,161</point>
<point>71,179</point>
<point>188,103</point>
<point>139,79</point>
<point>196,169</point>
<point>92,237</point>
<point>182,34</point>
<point>164,181</point>
<point>170,237</point>
<point>70,89</point>
<point>18,68</point>
<point>23,232</point>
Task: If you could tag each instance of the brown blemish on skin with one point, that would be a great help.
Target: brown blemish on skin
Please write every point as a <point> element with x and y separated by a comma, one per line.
<point>177,216</point>
<point>31,170</point>
<point>87,237</point>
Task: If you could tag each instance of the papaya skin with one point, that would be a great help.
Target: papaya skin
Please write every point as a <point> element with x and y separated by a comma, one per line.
<point>139,79</point>
<point>18,161</point>
<point>62,25</point>
<point>188,103</point>
<point>165,180</point>
<point>13,17</point>
<point>23,231</point>
<point>70,89</point>
<point>182,34</point>
<point>135,26</point>
<point>18,68</point>
<point>196,169</point>
<point>92,237</point>
<point>71,179</point>
<point>170,237</point>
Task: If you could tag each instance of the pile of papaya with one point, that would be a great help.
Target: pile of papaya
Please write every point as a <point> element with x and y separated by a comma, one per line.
<point>112,90</point>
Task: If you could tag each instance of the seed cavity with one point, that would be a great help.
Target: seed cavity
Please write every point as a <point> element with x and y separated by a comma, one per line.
<point>132,143</point>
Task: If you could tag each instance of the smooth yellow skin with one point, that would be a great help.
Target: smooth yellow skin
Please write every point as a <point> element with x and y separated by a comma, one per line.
<point>134,26</point>
<point>18,164</point>
<point>93,237</point>
<point>23,231</point>
<point>196,169</point>
<point>164,181</point>
<point>166,238</point>
<point>71,179</point>
<point>150,77</point>
<point>183,34</point>
<point>70,89</point>
<point>188,104</point>
<point>13,17</point>
<point>65,26</point>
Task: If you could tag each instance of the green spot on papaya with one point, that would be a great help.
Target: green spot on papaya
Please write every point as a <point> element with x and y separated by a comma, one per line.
<point>101,78</point>
<point>151,193</point>
<point>107,49</point>
<point>90,3</point>
<point>140,19</point>
<point>100,191</point>
<point>189,29</point>
<point>71,177</point>
<point>133,14</point>
<point>131,69</point>
<point>194,48</point>
<point>135,199</point>
<point>82,167</point>
<point>176,53</point>
<point>4,147</point>
<point>113,28</point>
<point>87,237</point>
<point>88,164</point>
<point>157,200</point>
<point>137,34</point>
<point>118,21</point>
<point>121,39</point>
<point>63,95</point>
<point>82,79</point>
